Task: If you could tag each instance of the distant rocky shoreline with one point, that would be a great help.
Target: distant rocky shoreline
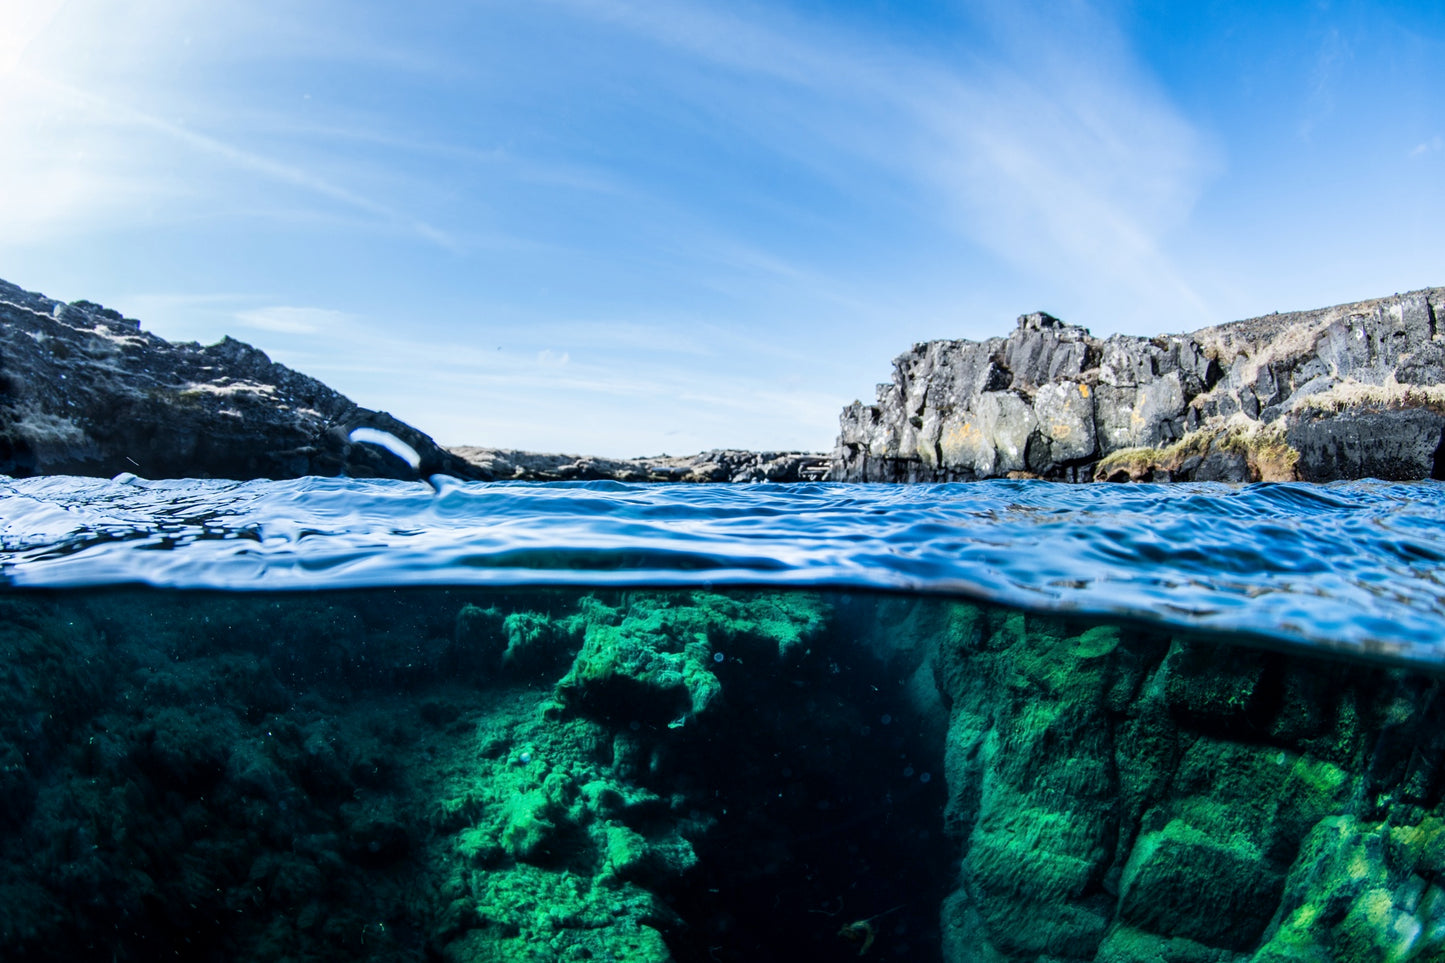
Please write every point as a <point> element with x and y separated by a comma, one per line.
<point>1352,391</point>
<point>85,391</point>
<point>718,465</point>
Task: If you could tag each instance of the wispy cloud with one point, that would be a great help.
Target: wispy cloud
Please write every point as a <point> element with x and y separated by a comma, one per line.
<point>1058,161</point>
<point>107,113</point>
<point>695,209</point>
<point>285,319</point>
<point>609,406</point>
<point>23,23</point>
<point>101,126</point>
<point>552,383</point>
<point>1432,146</point>
<point>1331,56</point>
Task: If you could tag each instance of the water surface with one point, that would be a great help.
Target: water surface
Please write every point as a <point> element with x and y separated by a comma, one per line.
<point>1352,566</point>
<point>335,720</point>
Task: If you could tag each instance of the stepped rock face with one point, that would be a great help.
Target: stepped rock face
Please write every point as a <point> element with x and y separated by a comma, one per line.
<point>84,391</point>
<point>1352,391</point>
<point>1122,795</point>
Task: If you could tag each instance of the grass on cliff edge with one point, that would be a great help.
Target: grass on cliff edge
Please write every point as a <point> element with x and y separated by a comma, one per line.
<point>1269,456</point>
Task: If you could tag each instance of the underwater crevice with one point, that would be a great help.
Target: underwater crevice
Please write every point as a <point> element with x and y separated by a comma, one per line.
<point>821,789</point>
<point>697,776</point>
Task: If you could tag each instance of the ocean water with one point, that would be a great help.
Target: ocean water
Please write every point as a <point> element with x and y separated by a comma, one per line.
<point>338,719</point>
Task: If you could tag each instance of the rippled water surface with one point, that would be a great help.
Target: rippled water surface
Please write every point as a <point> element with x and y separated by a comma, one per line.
<point>1355,566</point>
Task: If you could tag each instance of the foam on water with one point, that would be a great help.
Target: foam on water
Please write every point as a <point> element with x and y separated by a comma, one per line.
<point>1353,566</point>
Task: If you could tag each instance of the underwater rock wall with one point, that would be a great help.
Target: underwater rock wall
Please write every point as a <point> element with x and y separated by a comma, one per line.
<point>1352,391</point>
<point>1121,796</point>
<point>468,776</point>
<point>518,775</point>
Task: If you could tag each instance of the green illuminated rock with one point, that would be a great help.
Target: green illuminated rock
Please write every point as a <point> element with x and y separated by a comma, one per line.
<point>689,775</point>
<point>1121,796</point>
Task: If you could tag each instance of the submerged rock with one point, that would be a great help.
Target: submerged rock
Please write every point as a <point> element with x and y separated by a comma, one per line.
<point>342,775</point>
<point>1352,391</point>
<point>1120,795</point>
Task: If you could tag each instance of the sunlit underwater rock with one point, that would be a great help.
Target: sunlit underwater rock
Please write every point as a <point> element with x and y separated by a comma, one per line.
<point>1145,797</point>
<point>654,661</point>
<point>552,774</point>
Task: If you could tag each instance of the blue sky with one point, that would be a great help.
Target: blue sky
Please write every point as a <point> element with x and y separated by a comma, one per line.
<point>627,228</point>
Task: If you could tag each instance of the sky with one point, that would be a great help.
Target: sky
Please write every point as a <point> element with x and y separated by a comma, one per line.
<point>632,228</point>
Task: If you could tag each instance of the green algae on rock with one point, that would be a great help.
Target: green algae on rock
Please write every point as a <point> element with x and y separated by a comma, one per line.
<point>1157,798</point>
<point>647,775</point>
<point>655,660</point>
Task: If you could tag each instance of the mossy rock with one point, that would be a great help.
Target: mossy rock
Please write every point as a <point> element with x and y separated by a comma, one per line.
<point>538,643</point>
<point>653,660</point>
<point>529,825</point>
<point>479,632</point>
<point>623,675</point>
<point>1124,944</point>
<point>1216,891</point>
<point>1210,684</point>
<point>1364,892</point>
<point>531,913</point>
<point>1035,870</point>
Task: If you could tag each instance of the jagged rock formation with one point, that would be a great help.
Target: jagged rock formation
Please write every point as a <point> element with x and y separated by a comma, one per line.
<point>1352,391</point>
<point>84,391</point>
<point>718,465</point>
<point>1122,795</point>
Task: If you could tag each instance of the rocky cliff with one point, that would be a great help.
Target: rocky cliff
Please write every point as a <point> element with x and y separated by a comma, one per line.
<point>1352,391</point>
<point>85,391</point>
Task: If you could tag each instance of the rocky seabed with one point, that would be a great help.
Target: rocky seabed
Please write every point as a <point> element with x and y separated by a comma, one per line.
<point>544,775</point>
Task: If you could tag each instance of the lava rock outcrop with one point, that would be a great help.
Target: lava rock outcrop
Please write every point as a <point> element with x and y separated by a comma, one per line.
<point>84,391</point>
<point>1352,391</point>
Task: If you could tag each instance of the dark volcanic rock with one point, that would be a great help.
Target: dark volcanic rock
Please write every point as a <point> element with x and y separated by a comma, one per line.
<point>84,391</point>
<point>1368,443</point>
<point>718,465</point>
<point>1343,392</point>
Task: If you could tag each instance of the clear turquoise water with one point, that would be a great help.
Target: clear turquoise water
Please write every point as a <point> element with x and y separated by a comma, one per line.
<point>1352,567</point>
<point>329,719</point>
